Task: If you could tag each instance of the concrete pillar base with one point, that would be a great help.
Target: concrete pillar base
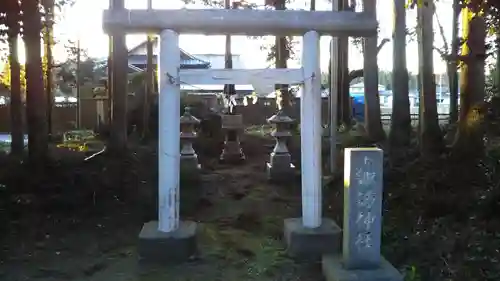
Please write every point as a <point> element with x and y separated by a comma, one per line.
<point>165,248</point>
<point>333,270</point>
<point>307,243</point>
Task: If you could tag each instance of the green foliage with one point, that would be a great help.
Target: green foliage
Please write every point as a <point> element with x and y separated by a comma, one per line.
<point>412,274</point>
<point>493,80</point>
<point>5,75</point>
<point>66,73</point>
<point>271,49</point>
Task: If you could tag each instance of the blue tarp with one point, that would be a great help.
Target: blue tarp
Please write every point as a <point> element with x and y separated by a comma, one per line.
<point>358,106</point>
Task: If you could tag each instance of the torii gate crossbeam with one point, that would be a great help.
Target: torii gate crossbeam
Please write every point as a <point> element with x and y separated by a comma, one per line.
<point>242,22</point>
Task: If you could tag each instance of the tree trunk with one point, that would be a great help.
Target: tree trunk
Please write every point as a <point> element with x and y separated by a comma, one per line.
<point>149,82</point>
<point>36,102</point>
<point>452,65</point>
<point>229,89</point>
<point>400,133</point>
<point>345,81</point>
<point>118,140</point>
<point>496,78</point>
<point>344,107</point>
<point>284,97</point>
<point>48,42</point>
<point>344,98</point>
<point>16,104</point>
<point>469,138</point>
<point>109,83</point>
<point>431,141</point>
<point>373,122</point>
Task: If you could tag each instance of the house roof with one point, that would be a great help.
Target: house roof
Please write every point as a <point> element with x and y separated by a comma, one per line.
<point>184,55</point>
<point>103,64</point>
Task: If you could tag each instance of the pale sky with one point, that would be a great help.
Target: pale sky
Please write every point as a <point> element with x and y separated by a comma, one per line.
<point>84,19</point>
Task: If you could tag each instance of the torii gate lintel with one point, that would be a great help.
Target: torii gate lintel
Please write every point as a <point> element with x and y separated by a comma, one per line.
<point>242,22</point>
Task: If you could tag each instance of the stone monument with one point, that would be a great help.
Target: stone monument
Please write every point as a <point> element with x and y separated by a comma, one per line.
<point>189,167</point>
<point>232,126</point>
<point>280,167</point>
<point>361,259</point>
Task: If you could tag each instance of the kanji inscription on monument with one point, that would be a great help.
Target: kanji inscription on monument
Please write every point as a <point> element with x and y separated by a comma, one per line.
<point>363,171</point>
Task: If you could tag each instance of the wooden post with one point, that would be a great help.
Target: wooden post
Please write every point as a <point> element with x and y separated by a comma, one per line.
<point>169,128</point>
<point>311,132</point>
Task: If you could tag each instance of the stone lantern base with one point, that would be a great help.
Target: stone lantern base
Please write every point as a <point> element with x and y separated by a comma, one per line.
<point>189,168</point>
<point>280,168</point>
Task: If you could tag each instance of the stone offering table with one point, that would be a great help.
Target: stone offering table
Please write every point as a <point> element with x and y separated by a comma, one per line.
<point>232,125</point>
<point>361,259</point>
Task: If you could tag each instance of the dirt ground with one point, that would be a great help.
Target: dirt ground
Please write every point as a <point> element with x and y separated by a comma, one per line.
<point>84,223</point>
<point>80,221</point>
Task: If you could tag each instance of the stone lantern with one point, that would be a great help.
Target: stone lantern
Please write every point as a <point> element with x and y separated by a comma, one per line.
<point>189,160</point>
<point>280,167</point>
<point>232,126</point>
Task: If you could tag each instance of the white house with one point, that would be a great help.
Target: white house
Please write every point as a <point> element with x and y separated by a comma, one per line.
<point>137,57</point>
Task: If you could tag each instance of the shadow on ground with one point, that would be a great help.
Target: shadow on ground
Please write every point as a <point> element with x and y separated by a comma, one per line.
<point>80,221</point>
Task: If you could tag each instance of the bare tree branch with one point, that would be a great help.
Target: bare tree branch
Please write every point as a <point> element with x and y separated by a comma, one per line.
<point>359,72</point>
<point>443,54</point>
<point>441,32</point>
<point>382,43</point>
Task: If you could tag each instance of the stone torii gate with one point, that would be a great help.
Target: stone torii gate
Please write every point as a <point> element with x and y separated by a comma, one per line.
<point>169,238</point>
